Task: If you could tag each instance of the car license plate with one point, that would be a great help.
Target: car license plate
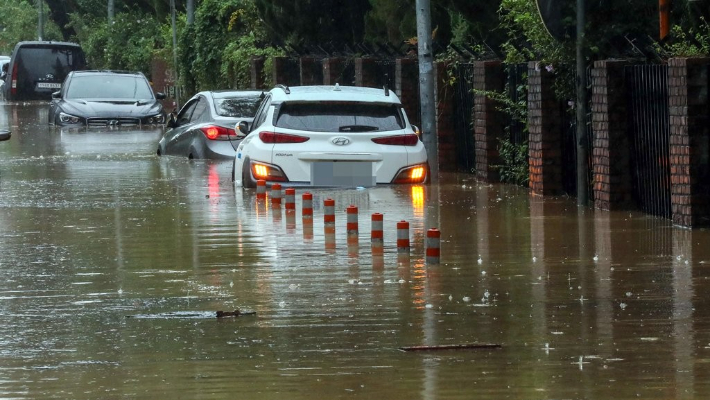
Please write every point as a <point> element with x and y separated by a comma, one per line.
<point>343,173</point>
<point>47,85</point>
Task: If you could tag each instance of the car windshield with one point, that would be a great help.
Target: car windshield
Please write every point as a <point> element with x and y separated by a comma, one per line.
<point>340,117</point>
<point>108,87</point>
<point>237,106</point>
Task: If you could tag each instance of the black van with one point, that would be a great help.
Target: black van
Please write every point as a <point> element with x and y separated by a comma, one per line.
<point>37,69</point>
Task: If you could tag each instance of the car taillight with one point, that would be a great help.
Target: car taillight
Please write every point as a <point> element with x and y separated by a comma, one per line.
<point>214,132</point>
<point>413,174</point>
<point>273,137</point>
<point>398,140</point>
<point>267,172</point>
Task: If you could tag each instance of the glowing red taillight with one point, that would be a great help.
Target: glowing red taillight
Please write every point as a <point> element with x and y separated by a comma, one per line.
<point>398,140</point>
<point>214,132</point>
<point>273,137</point>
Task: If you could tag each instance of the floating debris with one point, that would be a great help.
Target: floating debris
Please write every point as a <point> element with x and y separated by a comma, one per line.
<point>465,346</point>
<point>192,314</point>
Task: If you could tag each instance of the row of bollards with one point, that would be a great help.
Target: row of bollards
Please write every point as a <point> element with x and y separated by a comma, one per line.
<point>433,237</point>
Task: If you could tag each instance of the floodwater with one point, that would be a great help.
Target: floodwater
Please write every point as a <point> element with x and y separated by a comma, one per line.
<point>114,262</point>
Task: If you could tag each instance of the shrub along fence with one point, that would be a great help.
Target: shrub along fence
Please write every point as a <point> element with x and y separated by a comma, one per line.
<point>648,125</point>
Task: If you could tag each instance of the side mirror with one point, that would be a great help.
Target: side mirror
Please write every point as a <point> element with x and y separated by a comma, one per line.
<point>417,131</point>
<point>57,95</point>
<point>160,95</point>
<point>171,121</point>
<point>241,129</point>
<point>5,135</point>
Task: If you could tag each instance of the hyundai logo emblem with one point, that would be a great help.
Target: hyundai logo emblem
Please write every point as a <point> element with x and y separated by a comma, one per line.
<point>340,141</point>
<point>49,76</point>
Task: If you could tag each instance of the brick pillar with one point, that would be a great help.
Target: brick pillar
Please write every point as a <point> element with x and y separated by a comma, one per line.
<point>333,70</point>
<point>445,130</point>
<point>257,72</point>
<point>688,112</point>
<point>610,149</point>
<point>162,78</point>
<point>285,71</point>
<point>545,143</point>
<point>489,121</point>
<point>311,71</point>
<point>366,72</point>
<point>407,87</point>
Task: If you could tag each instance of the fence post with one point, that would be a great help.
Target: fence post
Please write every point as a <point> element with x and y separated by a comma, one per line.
<point>610,149</point>
<point>365,72</point>
<point>688,104</point>
<point>488,124</point>
<point>257,72</point>
<point>545,143</point>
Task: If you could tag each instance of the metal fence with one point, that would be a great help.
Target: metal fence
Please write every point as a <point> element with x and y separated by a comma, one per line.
<point>463,118</point>
<point>649,135</point>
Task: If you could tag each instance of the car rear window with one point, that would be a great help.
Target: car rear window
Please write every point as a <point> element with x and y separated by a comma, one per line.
<point>39,62</point>
<point>237,106</point>
<point>340,117</point>
<point>108,87</point>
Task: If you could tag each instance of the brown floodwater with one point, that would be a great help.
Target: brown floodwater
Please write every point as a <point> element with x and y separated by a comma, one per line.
<point>114,262</point>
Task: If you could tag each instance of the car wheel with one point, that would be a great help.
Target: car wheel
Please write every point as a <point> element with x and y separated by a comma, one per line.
<point>246,176</point>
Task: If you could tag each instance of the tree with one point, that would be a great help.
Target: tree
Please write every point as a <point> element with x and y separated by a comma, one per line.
<point>314,21</point>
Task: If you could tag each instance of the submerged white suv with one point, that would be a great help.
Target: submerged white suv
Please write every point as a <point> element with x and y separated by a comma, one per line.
<point>329,136</point>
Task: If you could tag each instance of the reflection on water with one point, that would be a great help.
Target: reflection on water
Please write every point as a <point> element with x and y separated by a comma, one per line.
<point>95,227</point>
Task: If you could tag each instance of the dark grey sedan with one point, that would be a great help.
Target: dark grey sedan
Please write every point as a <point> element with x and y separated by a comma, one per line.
<point>204,127</point>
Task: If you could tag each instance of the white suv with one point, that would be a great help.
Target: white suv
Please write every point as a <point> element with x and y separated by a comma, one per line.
<point>329,136</point>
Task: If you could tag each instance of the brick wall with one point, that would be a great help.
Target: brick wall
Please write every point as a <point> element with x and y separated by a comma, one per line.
<point>545,141</point>
<point>286,71</point>
<point>689,126</point>
<point>610,149</point>
<point>489,121</point>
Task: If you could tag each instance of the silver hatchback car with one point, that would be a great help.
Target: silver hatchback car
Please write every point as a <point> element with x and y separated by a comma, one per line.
<point>204,127</point>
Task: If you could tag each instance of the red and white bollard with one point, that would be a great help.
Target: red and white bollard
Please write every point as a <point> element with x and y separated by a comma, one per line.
<point>290,200</point>
<point>276,194</point>
<point>377,235</point>
<point>329,224</point>
<point>403,237</point>
<point>261,189</point>
<point>352,225</point>
<point>433,239</point>
<point>307,208</point>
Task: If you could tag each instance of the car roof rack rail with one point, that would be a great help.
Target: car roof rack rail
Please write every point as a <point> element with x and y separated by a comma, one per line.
<point>387,90</point>
<point>284,88</point>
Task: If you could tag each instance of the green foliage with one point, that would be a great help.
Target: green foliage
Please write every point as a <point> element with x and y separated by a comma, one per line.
<point>514,168</point>
<point>695,42</point>
<point>127,44</point>
<point>18,22</point>
<point>215,51</point>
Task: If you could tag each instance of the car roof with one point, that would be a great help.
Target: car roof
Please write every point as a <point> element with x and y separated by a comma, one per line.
<point>223,94</point>
<point>106,72</point>
<point>333,93</point>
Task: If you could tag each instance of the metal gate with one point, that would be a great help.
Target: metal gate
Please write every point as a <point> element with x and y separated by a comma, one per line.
<point>463,118</point>
<point>649,134</point>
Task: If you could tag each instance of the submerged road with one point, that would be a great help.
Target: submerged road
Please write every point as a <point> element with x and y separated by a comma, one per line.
<point>95,227</point>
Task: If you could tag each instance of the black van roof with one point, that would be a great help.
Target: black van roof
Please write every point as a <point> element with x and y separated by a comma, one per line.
<point>31,43</point>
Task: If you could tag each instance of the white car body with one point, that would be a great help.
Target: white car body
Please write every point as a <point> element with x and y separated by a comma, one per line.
<point>344,156</point>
